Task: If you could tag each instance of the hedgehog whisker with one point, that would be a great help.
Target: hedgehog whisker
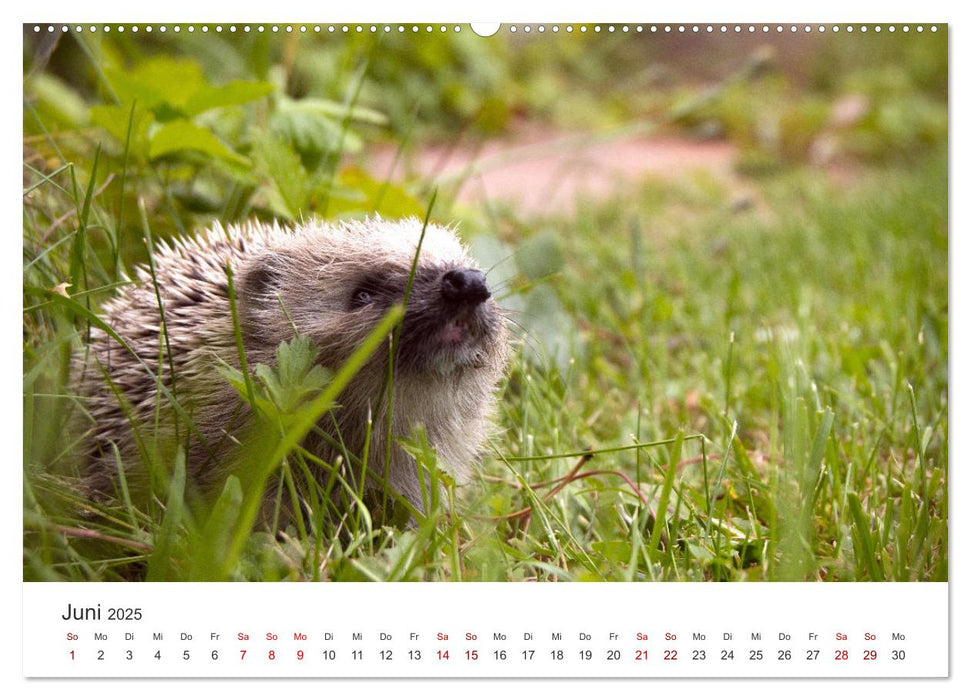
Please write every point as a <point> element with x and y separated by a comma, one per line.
<point>498,263</point>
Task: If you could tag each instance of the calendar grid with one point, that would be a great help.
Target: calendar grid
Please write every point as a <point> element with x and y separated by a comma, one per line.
<point>486,630</point>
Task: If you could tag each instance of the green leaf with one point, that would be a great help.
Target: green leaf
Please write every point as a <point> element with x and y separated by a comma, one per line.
<point>177,88</point>
<point>158,83</point>
<point>314,126</point>
<point>258,400</point>
<point>357,191</point>
<point>335,110</point>
<point>114,119</point>
<point>297,362</point>
<point>58,99</point>
<point>540,255</point>
<point>182,135</point>
<point>295,379</point>
<point>280,163</point>
<point>552,331</point>
<point>235,93</point>
<point>311,135</point>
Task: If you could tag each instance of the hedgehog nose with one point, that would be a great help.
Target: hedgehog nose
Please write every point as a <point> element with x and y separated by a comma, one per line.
<point>465,286</point>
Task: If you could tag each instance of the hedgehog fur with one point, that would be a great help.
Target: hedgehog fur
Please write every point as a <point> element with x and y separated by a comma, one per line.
<point>332,282</point>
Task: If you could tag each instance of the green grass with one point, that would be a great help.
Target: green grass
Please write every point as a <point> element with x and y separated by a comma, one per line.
<point>805,339</point>
<point>783,366</point>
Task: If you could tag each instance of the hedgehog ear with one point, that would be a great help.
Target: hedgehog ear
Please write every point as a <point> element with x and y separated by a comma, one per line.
<point>262,279</point>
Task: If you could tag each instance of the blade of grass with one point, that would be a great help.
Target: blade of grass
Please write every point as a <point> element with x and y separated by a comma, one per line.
<point>662,504</point>
<point>864,540</point>
<point>159,561</point>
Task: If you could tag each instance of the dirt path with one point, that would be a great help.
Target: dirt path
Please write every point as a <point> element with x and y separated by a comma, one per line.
<point>553,173</point>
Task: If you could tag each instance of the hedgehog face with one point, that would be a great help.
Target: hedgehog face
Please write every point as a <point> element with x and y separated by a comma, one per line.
<point>451,322</point>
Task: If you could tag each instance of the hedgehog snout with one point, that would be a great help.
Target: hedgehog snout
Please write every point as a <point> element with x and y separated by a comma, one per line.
<point>465,286</point>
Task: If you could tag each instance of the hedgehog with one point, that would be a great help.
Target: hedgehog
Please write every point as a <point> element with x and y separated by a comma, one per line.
<point>330,282</point>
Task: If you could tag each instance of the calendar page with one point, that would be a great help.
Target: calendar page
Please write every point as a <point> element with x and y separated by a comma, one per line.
<point>513,350</point>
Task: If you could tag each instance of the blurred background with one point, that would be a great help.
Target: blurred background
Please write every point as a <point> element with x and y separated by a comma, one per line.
<point>535,120</point>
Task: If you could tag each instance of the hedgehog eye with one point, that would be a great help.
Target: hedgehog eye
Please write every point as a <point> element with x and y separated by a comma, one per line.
<point>373,289</point>
<point>361,297</point>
